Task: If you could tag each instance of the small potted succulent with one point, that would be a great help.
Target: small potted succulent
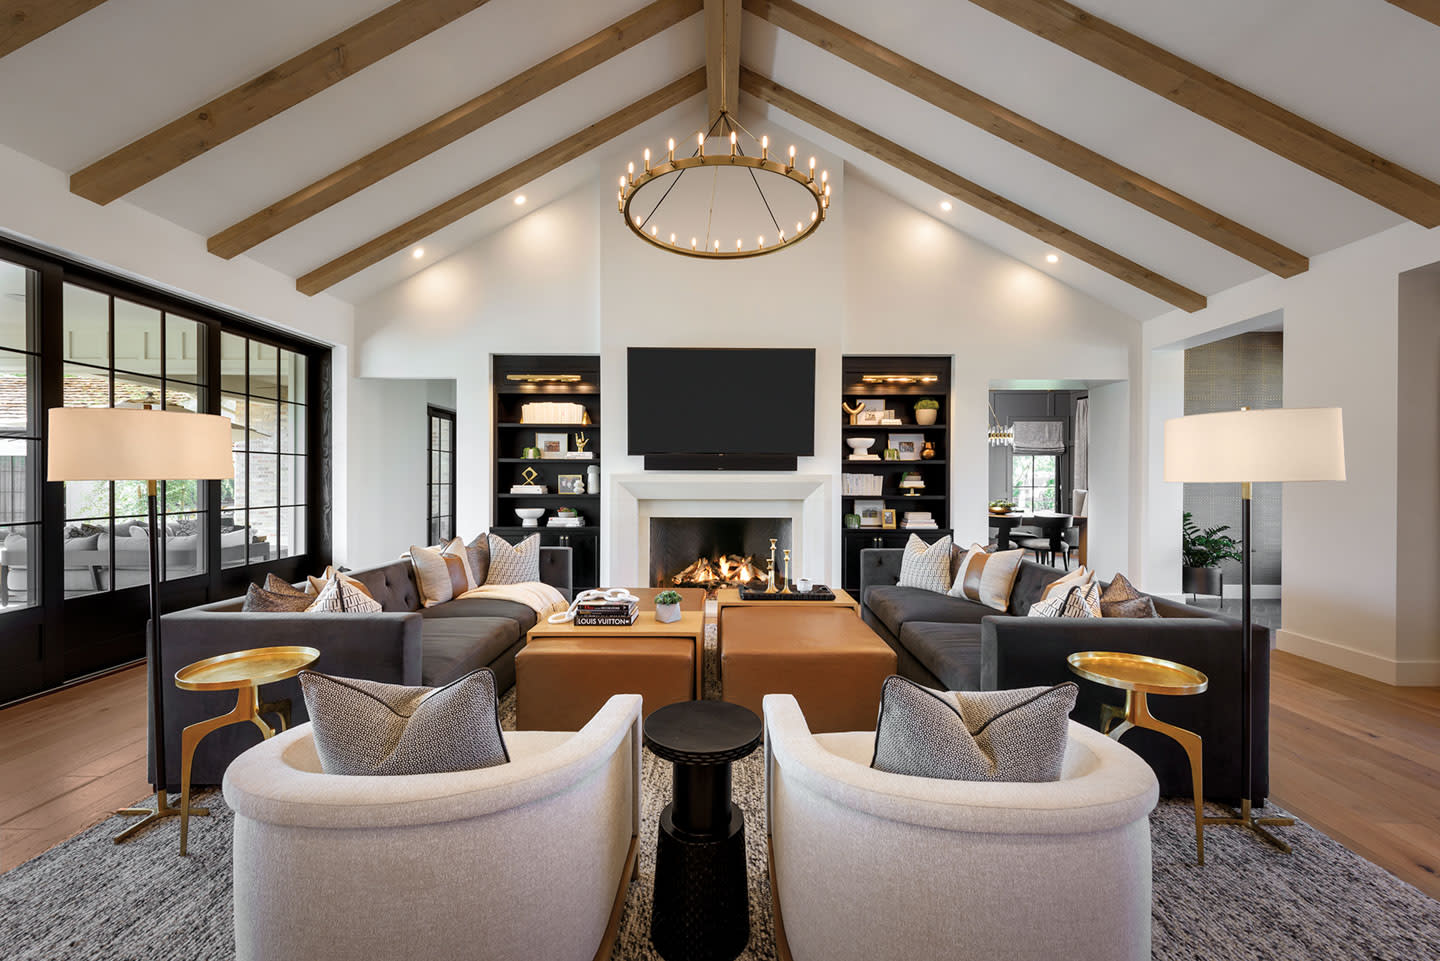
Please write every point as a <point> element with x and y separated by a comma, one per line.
<point>568,512</point>
<point>926,411</point>
<point>852,520</point>
<point>667,607</point>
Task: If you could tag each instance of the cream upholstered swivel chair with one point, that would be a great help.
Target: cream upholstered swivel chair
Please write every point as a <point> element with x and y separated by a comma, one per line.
<point>866,864</point>
<point>530,859</point>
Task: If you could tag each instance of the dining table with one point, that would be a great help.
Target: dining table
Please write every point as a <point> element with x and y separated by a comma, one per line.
<point>1003,524</point>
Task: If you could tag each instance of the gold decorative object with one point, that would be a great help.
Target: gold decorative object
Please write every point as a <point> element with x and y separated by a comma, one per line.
<point>242,672</point>
<point>786,589</point>
<point>543,378</point>
<point>928,451</point>
<point>1138,675</point>
<point>649,226</point>
<point>580,441</point>
<point>529,476</point>
<point>853,412</point>
<point>770,587</point>
<point>899,378</point>
<point>998,434</point>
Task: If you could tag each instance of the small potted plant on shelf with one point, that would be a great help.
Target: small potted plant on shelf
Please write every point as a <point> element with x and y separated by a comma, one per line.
<point>852,520</point>
<point>926,411</point>
<point>667,607</point>
<point>1203,551</point>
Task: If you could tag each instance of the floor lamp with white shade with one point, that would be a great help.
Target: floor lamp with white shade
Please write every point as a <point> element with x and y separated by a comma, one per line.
<point>115,444</point>
<point>1247,446</point>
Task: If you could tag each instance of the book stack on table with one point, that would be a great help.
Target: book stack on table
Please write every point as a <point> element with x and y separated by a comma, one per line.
<point>606,614</point>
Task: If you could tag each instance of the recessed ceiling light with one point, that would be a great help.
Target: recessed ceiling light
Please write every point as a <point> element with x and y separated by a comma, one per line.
<point>519,199</point>
<point>1052,258</point>
<point>418,252</point>
<point>945,205</point>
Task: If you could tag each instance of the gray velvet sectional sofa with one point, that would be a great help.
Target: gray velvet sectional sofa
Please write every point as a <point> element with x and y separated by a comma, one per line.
<point>955,644</point>
<point>403,644</point>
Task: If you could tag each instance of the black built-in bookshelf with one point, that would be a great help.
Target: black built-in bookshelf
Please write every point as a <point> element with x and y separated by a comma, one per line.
<point>900,398</point>
<point>511,437</point>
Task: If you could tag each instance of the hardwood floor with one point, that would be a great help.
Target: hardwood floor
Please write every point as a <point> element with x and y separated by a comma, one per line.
<point>1356,758</point>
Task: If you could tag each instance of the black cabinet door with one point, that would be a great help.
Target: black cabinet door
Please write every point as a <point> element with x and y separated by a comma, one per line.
<point>584,547</point>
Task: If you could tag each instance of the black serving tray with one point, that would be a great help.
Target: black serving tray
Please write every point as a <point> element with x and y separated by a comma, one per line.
<point>817,592</point>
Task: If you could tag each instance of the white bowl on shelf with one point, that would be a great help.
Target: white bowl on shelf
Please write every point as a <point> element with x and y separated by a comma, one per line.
<point>530,516</point>
<point>859,445</point>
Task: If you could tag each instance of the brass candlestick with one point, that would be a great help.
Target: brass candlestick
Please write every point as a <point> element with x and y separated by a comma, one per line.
<point>787,590</point>
<point>770,588</point>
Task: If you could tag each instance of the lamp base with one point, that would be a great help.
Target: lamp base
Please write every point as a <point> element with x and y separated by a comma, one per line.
<point>148,817</point>
<point>1245,818</point>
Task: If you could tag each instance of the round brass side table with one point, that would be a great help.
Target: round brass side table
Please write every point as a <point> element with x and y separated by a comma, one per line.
<point>242,672</point>
<point>1138,676</point>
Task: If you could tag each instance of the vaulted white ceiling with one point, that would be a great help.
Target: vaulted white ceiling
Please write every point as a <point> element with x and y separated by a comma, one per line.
<point>1363,69</point>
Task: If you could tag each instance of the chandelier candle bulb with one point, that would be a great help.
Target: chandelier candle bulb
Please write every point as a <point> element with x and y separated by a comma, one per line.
<point>672,238</point>
<point>693,241</point>
<point>647,159</point>
<point>671,147</point>
<point>737,243</point>
<point>653,231</point>
<point>630,172</point>
<point>761,242</point>
<point>732,143</point>
<point>812,168</point>
<point>791,165</point>
<point>700,139</point>
<point>765,148</point>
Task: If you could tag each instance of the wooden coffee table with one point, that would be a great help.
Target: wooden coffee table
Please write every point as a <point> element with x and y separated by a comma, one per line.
<point>691,626</point>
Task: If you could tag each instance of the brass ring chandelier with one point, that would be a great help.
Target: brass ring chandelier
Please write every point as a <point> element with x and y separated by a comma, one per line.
<point>645,227</point>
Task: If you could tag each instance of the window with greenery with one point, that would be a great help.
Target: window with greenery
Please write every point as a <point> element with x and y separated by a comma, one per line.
<point>1033,481</point>
<point>19,439</point>
<point>119,353</point>
<point>441,475</point>
<point>263,509</point>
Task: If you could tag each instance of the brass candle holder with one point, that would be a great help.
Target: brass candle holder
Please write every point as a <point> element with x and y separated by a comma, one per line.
<point>770,587</point>
<point>787,589</point>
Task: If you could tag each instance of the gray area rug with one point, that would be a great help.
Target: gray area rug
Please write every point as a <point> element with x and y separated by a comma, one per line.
<point>90,898</point>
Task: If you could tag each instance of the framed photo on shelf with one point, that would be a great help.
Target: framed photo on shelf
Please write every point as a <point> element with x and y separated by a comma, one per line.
<point>870,511</point>
<point>871,418</point>
<point>552,445</point>
<point>909,445</point>
<point>887,519</point>
<point>570,484</point>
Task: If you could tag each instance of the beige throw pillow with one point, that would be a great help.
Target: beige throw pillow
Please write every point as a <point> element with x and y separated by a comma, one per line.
<point>987,578</point>
<point>441,574</point>
<point>926,566</point>
<point>1079,577</point>
<point>514,563</point>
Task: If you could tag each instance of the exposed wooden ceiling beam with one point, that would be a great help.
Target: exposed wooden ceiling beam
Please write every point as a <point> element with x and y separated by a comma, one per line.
<point>450,127</point>
<point>577,145</point>
<point>1235,108</point>
<point>1024,133</point>
<point>969,192</point>
<point>265,96</point>
<point>722,56</point>
<point>1424,9</point>
<point>24,20</point>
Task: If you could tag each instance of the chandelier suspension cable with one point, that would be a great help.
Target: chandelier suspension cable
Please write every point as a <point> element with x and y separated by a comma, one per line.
<point>710,215</point>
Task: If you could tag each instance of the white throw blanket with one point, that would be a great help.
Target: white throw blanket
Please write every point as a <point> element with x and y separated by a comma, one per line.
<point>542,597</point>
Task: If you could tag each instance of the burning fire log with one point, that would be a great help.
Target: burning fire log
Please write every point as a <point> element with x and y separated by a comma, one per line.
<point>728,570</point>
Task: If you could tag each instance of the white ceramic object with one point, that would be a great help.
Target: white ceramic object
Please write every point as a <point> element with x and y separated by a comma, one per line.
<point>804,584</point>
<point>667,613</point>
<point>529,516</point>
<point>859,445</point>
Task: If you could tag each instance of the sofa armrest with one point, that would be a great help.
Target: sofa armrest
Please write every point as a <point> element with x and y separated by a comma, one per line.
<point>557,568</point>
<point>879,567</point>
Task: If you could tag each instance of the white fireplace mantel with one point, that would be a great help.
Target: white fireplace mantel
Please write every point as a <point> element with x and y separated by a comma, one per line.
<point>636,498</point>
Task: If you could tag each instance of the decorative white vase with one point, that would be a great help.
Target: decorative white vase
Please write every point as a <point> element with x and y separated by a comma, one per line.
<point>925,416</point>
<point>592,479</point>
<point>667,613</point>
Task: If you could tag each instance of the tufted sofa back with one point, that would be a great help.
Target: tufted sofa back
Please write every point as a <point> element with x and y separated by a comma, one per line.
<point>393,585</point>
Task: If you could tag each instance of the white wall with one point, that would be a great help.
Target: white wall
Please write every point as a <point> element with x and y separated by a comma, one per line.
<point>1341,552</point>
<point>1417,502</point>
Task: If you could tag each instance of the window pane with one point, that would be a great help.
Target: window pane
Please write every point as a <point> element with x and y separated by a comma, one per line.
<point>19,500</point>
<point>233,489</point>
<point>131,499</point>
<point>180,396</point>
<point>184,545</point>
<point>233,537</point>
<point>264,370</point>
<point>292,429</point>
<point>434,433</point>
<point>446,429</point>
<point>232,363</point>
<point>18,392</point>
<point>86,387</point>
<point>19,567</point>
<point>264,534</point>
<point>87,499</point>
<point>182,349</point>
<point>234,407</point>
<point>87,557</point>
<point>182,496</point>
<point>292,480</point>
<point>1022,470</point>
<point>132,552</point>
<point>16,307</point>
<point>292,531</point>
<point>263,487</point>
<point>264,425</point>
<point>137,338</point>
<point>292,377</point>
<point>86,326</point>
<point>132,390</point>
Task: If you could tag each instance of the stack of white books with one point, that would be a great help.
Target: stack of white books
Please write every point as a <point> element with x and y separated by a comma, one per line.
<point>552,412</point>
<point>529,489</point>
<point>864,456</point>
<point>558,521</point>
<point>919,520</point>
<point>861,485</point>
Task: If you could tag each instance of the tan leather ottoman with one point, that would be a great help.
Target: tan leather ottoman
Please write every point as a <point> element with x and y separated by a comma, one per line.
<point>827,658</point>
<point>560,682</point>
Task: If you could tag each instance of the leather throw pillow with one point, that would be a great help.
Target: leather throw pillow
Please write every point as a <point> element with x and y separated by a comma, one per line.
<point>987,578</point>
<point>442,574</point>
<point>478,553</point>
<point>926,566</point>
<point>258,599</point>
<point>1015,735</point>
<point>368,728</point>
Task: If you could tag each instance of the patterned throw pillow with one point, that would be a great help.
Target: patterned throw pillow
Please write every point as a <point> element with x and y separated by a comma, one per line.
<point>1121,599</point>
<point>314,585</point>
<point>514,564</point>
<point>258,599</point>
<point>987,578</point>
<point>1079,577</point>
<point>478,553</point>
<point>973,735</point>
<point>338,597</point>
<point>1078,601</point>
<point>278,585</point>
<point>369,728</point>
<point>441,573</point>
<point>926,566</point>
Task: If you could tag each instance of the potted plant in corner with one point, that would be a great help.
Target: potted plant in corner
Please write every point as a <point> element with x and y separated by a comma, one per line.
<point>1203,550</point>
<point>667,607</point>
<point>926,411</point>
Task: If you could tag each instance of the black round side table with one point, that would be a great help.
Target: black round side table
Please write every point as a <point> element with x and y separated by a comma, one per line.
<point>702,898</point>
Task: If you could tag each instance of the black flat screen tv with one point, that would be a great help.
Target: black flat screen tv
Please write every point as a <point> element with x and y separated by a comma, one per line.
<point>722,401</point>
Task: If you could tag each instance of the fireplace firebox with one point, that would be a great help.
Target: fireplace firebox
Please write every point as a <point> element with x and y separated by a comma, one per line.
<point>713,552</point>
